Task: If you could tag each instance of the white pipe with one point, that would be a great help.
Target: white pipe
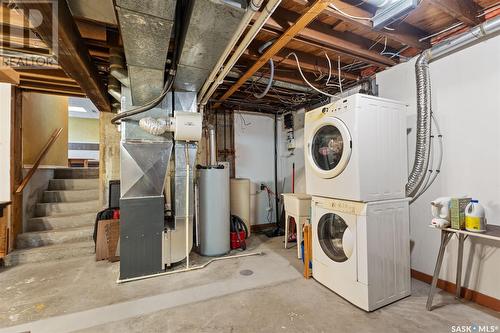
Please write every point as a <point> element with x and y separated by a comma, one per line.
<point>245,21</point>
<point>187,206</point>
<point>212,145</point>
<point>191,268</point>
<point>249,37</point>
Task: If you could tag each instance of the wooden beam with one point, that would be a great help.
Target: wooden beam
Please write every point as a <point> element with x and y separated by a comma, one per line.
<point>49,88</point>
<point>73,55</point>
<point>307,63</point>
<point>9,75</point>
<point>320,34</point>
<point>309,15</point>
<point>16,167</point>
<point>463,10</point>
<point>405,33</point>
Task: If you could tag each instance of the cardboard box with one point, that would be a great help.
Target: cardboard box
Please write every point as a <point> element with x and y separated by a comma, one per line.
<point>457,212</point>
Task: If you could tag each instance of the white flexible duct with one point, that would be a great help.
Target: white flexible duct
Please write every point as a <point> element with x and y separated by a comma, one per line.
<point>271,68</point>
<point>253,8</point>
<point>155,126</point>
<point>249,37</point>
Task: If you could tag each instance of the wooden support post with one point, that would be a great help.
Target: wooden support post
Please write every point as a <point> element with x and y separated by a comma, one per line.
<point>16,168</point>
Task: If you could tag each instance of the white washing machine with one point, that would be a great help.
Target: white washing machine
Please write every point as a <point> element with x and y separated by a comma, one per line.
<point>369,272</point>
<point>355,149</point>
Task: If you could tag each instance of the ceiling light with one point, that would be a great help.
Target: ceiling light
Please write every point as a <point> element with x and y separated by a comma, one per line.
<point>76,109</point>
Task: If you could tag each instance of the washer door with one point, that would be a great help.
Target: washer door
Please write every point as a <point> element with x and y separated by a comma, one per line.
<point>335,238</point>
<point>329,147</point>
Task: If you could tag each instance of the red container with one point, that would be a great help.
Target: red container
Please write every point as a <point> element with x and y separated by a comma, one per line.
<point>235,243</point>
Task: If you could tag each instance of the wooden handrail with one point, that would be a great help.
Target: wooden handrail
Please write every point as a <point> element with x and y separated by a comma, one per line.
<point>39,159</point>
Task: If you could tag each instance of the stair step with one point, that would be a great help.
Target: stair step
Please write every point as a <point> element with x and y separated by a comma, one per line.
<point>70,196</point>
<point>73,184</point>
<point>44,238</point>
<point>79,173</point>
<point>50,253</point>
<point>60,222</point>
<point>66,208</point>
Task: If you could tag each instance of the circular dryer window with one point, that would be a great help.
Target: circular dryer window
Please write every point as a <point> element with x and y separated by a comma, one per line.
<point>330,148</point>
<point>335,237</point>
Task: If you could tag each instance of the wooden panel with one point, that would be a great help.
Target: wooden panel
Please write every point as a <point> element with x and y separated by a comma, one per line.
<point>42,114</point>
<point>463,10</point>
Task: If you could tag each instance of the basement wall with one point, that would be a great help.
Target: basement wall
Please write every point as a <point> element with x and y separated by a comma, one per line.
<point>466,102</point>
<point>254,159</point>
<point>42,115</point>
<point>5,121</point>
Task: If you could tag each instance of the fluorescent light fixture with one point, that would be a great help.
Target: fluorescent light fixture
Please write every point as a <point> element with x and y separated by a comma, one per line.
<point>76,109</point>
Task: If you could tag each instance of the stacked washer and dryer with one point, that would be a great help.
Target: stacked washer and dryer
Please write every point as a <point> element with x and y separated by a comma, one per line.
<point>356,172</point>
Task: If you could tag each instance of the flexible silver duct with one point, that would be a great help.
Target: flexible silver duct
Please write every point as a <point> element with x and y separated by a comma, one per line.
<point>424,111</point>
<point>483,31</point>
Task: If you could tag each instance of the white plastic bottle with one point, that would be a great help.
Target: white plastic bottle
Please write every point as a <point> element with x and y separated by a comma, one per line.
<point>475,219</point>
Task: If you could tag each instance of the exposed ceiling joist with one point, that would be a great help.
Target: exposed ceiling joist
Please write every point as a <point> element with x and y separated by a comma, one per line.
<point>307,63</point>
<point>307,17</point>
<point>405,33</point>
<point>8,75</point>
<point>73,55</point>
<point>318,31</point>
<point>463,10</point>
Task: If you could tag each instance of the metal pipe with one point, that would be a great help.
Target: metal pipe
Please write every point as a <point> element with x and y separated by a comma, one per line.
<point>254,7</point>
<point>212,145</point>
<point>114,89</point>
<point>483,31</point>
<point>480,32</point>
<point>116,66</point>
<point>280,84</point>
<point>249,37</point>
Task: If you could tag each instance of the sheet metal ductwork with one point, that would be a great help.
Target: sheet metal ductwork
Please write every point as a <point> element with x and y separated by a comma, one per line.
<point>146,28</point>
<point>483,31</point>
<point>212,23</point>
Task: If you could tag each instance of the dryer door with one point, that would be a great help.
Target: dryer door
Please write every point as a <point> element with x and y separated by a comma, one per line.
<point>336,238</point>
<point>329,147</point>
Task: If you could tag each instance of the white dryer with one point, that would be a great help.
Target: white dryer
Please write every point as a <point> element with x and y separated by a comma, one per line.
<point>355,149</point>
<point>368,271</point>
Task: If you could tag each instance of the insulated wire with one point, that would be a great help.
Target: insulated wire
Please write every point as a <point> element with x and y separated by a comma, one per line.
<point>348,15</point>
<point>437,170</point>
<point>304,78</point>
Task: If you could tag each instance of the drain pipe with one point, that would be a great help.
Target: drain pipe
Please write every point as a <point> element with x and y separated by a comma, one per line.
<point>212,145</point>
<point>116,66</point>
<point>257,25</point>
<point>114,88</point>
<point>479,33</point>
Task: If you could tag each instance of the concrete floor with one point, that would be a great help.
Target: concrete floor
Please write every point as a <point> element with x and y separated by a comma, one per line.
<point>82,295</point>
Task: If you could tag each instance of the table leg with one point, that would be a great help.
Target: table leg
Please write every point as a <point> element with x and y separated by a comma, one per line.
<point>445,237</point>
<point>461,239</point>
<point>287,221</point>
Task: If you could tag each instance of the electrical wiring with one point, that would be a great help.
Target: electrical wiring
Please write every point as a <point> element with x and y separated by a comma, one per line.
<point>456,25</point>
<point>304,78</point>
<point>348,15</point>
